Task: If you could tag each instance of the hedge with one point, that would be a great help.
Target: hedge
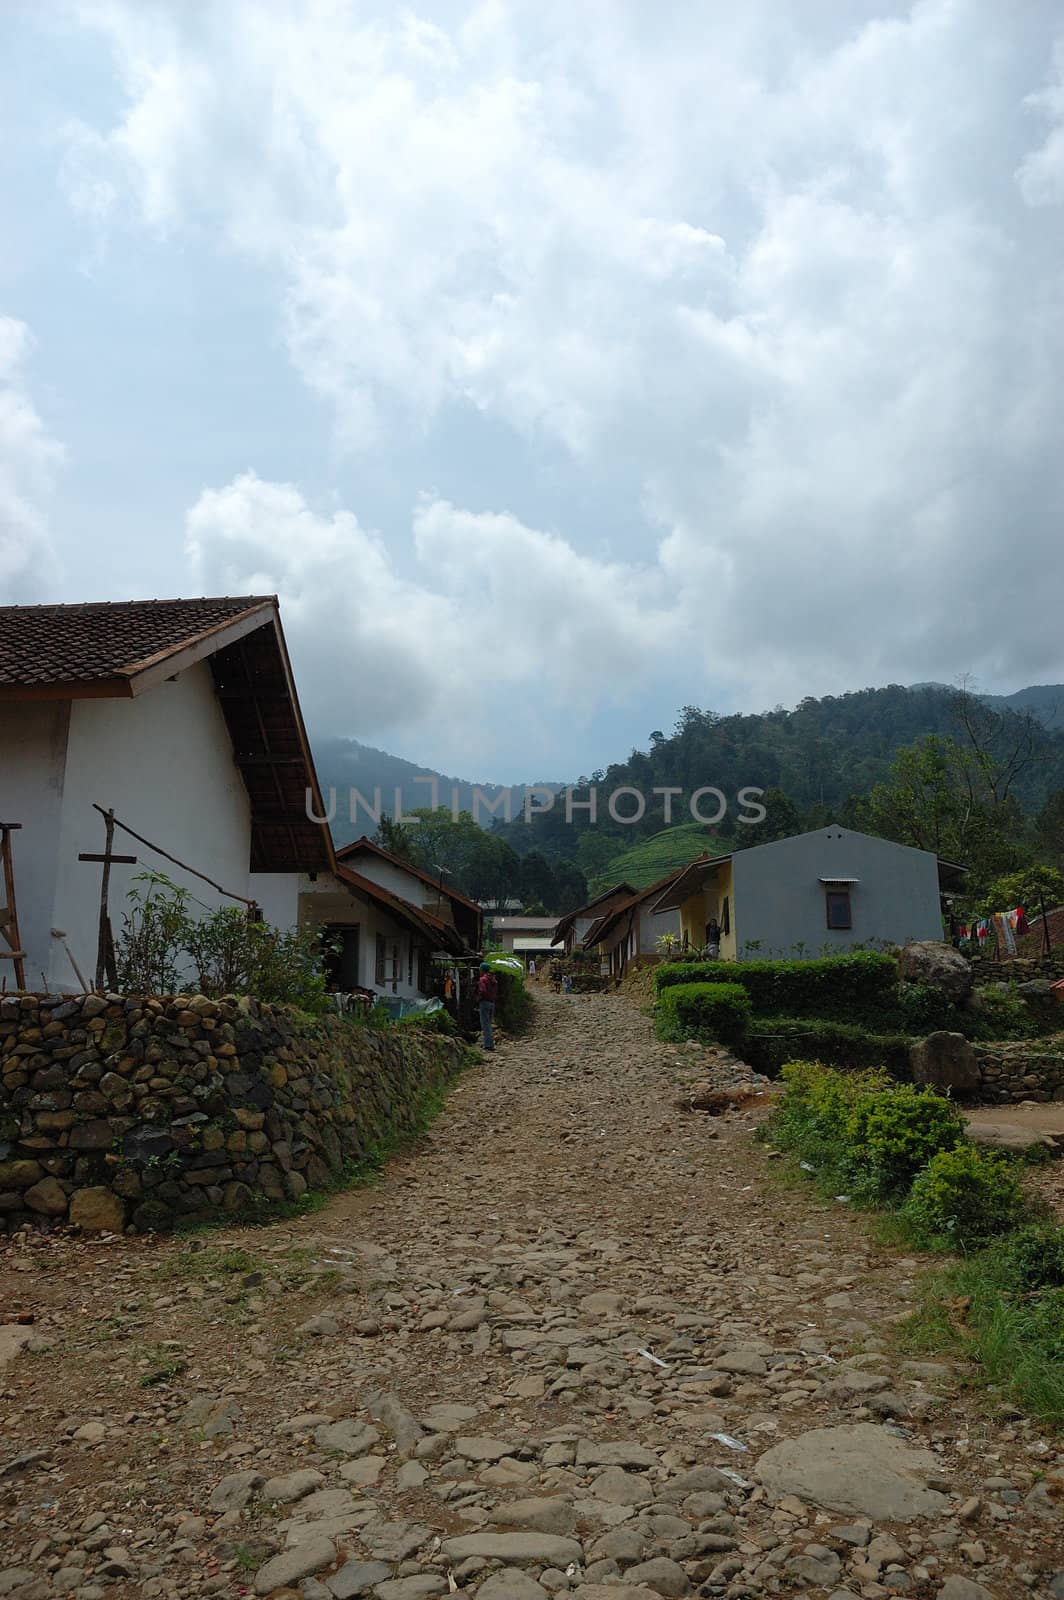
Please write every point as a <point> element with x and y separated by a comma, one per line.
<point>514,1005</point>
<point>866,979</point>
<point>771,1041</point>
<point>711,1012</point>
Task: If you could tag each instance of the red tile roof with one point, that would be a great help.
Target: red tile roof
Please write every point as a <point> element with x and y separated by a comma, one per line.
<point>107,640</point>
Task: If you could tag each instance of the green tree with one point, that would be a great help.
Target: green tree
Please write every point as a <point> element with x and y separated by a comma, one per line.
<point>1049,828</point>
<point>782,820</point>
<point>391,836</point>
<point>1027,888</point>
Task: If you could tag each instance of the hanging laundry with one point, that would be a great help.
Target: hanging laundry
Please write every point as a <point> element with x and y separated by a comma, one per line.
<point>1022,925</point>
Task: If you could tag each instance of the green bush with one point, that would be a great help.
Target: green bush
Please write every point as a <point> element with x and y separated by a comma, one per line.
<point>706,1011</point>
<point>966,1194</point>
<point>817,1102</point>
<point>892,1133</point>
<point>514,1005</point>
<point>1032,1258</point>
<point>772,1041</point>
<point>833,986</point>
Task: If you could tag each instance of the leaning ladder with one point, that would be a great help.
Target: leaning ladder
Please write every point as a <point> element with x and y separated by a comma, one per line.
<point>8,911</point>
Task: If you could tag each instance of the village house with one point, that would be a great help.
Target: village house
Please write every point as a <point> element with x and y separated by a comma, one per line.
<point>630,929</point>
<point>527,937</point>
<point>182,717</point>
<point>814,894</point>
<point>571,930</point>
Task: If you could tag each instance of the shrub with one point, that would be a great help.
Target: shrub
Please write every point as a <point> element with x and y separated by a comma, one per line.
<point>514,1005</point>
<point>967,1194</point>
<point>771,1041</point>
<point>1032,1258</point>
<point>838,984</point>
<point>812,1116</point>
<point>707,1011</point>
<point>894,1132</point>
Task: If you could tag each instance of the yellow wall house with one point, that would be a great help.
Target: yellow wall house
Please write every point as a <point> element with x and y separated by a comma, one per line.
<point>701,891</point>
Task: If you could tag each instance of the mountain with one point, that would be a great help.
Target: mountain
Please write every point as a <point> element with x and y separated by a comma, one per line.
<point>345,764</point>
<point>1044,701</point>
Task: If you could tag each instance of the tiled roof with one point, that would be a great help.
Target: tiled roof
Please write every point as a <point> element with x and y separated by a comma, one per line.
<point>41,645</point>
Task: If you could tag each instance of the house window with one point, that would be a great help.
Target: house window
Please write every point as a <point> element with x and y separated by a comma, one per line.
<point>380,976</point>
<point>840,914</point>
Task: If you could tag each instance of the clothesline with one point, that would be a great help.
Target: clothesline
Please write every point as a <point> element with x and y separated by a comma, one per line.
<point>1004,926</point>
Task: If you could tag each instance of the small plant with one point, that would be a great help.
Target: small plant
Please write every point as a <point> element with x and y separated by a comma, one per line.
<point>966,1194</point>
<point>706,1011</point>
<point>895,1132</point>
<point>163,1365</point>
<point>154,932</point>
<point>668,944</point>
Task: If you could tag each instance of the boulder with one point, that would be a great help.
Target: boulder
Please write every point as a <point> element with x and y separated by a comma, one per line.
<point>861,1469</point>
<point>946,1061</point>
<point>97,1210</point>
<point>934,962</point>
<point>47,1197</point>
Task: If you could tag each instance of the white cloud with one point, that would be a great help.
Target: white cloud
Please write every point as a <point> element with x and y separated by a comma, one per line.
<point>786,266</point>
<point>29,457</point>
<point>442,653</point>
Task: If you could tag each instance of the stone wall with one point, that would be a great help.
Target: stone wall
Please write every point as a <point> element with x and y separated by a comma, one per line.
<point>1020,1070</point>
<point>118,1111</point>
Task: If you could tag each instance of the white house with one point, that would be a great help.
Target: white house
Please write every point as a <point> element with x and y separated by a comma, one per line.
<point>815,894</point>
<point>571,930</point>
<point>182,717</point>
<point>630,928</point>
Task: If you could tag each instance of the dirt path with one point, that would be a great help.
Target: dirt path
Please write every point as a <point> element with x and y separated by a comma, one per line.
<point>523,1361</point>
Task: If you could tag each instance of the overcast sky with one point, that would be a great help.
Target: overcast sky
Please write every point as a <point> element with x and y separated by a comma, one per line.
<point>558,364</point>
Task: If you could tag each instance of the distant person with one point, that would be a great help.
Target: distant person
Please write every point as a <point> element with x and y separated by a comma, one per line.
<point>487,995</point>
<point>532,967</point>
<point>713,939</point>
<point>567,983</point>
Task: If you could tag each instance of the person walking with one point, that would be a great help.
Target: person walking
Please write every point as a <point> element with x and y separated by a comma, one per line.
<point>531,966</point>
<point>713,939</point>
<point>487,995</point>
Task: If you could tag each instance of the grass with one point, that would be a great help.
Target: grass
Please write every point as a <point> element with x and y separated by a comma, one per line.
<point>163,1366</point>
<point>644,863</point>
<point>191,1263</point>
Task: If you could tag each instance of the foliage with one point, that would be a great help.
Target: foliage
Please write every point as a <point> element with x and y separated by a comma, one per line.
<point>873,1134</point>
<point>836,985</point>
<point>668,944</point>
<point>643,861</point>
<point>513,1009</point>
<point>893,1132</point>
<point>161,940</point>
<point>149,948</point>
<point>1027,888</point>
<point>707,1011</point>
<point>772,1041</point>
<point>967,1194</point>
<point>1012,1295</point>
<point>483,864</point>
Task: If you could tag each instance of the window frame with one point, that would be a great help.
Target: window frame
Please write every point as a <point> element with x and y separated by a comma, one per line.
<point>836,894</point>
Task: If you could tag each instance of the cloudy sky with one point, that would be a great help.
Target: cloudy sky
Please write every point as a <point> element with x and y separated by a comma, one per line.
<point>558,364</point>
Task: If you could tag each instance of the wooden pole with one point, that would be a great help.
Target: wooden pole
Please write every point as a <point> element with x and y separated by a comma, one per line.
<point>9,926</point>
<point>105,884</point>
<point>1046,941</point>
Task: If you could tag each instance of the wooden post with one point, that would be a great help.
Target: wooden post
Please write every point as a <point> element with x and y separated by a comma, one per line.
<point>9,912</point>
<point>105,960</point>
<point>1047,943</point>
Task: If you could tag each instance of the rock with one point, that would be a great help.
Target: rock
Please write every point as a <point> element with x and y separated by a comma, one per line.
<point>91,1433</point>
<point>480,1449</point>
<point>234,1492</point>
<point>320,1327</point>
<point>543,1515</point>
<point>511,1584</point>
<point>287,1569</point>
<point>14,1338</point>
<point>97,1210</point>
<point>963,1589</point>
<point>349,1437</point>
<point>411,1475</point>
<point>619,1488</point>
<point>394,1541</point>
<point>861,1469</point>
<point>389,1411</point>
<point>516,1549</point>
<point>936,963</point>
<point>293,1486</point>
<point>361,1473</point>
<point>48,1198</point>
<point>663,1576</point>
<point>419,1586</point>
<point>742,1361</point>
<point>614,1454</point>
<point>816,1565</point>
<point>946,1061</point>
<point>357,1577</point>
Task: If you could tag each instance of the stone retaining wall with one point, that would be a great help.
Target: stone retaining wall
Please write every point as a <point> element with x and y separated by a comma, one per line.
<point>118,1111</point>
<point>1019,1071</point>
